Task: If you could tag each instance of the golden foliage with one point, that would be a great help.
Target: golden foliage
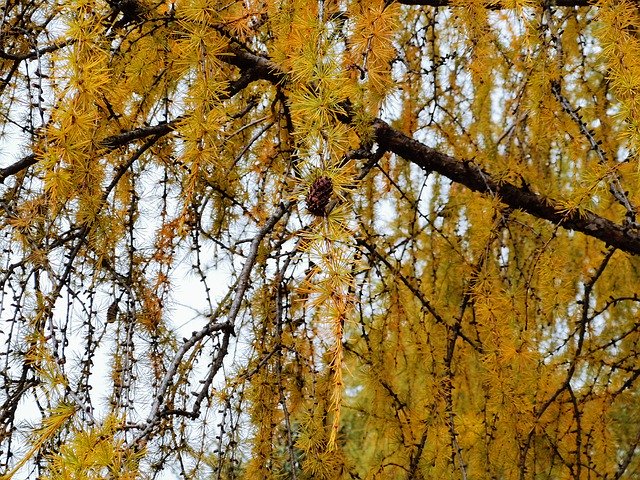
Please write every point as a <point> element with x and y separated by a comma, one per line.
<point>95,453</point>
<point>462,302</point>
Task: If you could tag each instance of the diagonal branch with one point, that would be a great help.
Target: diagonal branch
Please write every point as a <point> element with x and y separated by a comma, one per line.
<point>227,327</point>
<point>36,53</point>
<point>498,5</point>
<point>475,178</point>
<point>249,75</point>
<point>467,173</point>
<point>16,167</point>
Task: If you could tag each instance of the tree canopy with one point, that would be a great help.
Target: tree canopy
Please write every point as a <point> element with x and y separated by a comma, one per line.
<point>320,240</point>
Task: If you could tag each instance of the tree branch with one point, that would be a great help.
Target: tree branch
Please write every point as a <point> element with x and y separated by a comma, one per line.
<point>35,53</point>
<point>467,173</point>
<point>24,162</point>
<point>112,142</point>
<point>498,5</point>
<point>475,178</point>
<point>227,327</point>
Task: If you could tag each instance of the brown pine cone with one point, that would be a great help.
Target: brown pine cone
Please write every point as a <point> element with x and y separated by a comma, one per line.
<point>319,195</point>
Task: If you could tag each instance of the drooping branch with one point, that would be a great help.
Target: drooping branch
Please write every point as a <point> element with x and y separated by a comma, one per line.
<point>113,142</point>
<point>467,173</point>
<point>470,175</point>
<point>475,178</point>
<point>227,327</point>
<point>498,5</point>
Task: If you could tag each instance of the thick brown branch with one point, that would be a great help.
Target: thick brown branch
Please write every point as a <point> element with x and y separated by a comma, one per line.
<point>36,53</point>
<point>259,66</point>
<point>249,75</point>
<point>473,177</point>
<point>498,5</point>
<point>110,143</point>
<point>24,162</point>
<point>159,130</point>
<point>467,173</point>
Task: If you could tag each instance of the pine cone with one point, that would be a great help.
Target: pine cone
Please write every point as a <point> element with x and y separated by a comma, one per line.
<point>319,195</point>
<point>112,312</point>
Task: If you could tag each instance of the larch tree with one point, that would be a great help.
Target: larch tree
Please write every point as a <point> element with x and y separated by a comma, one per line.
<point>267,239</point>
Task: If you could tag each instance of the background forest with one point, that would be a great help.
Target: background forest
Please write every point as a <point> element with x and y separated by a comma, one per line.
<point>283,239</point>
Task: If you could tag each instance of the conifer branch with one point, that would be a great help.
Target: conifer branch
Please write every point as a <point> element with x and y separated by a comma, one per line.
<point>498,5</point>
<point>581,332</point>
<point>227,327</point>
<point>468,173</point>
<point>464,172</point>
<point>472,176</point>
<point>426,304</point>
<point>113,142</point>
<point>615,187</point>
<point>171,134</point>
<point>22,164</point>
<point>35,53</point>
